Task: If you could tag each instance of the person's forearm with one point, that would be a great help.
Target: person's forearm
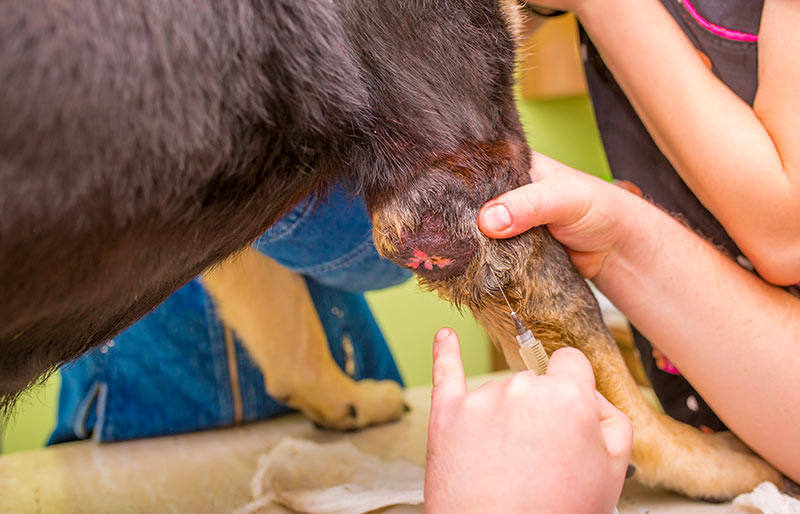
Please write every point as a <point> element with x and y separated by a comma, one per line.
<point>734,337</point>
<point>743,165</point>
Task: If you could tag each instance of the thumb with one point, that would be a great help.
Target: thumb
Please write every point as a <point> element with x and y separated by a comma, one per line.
<point>531,205</point>
<point>448,371</point>
<point>617,433</point>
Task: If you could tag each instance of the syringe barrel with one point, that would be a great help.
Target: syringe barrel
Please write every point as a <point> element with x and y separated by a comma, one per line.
<point>525,337</point>
<point>534,356</point>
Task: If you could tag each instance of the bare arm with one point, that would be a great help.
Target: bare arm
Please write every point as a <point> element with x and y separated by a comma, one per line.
<point>733,336</point>
<point>743,163</point>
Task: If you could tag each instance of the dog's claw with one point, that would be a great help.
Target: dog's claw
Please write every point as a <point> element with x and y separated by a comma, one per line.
<point>349,405</point>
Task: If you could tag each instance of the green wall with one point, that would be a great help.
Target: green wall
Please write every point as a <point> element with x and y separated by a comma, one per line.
<point>565,129</point>
<point>409,317</point>
<point>33,418</point>
<point>562,128</point>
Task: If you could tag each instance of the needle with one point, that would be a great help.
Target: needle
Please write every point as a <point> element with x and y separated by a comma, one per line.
<point>506,299</point>
<point>531,350</point>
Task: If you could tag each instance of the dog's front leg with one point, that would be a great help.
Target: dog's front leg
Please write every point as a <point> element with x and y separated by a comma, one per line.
<point>270,309</point>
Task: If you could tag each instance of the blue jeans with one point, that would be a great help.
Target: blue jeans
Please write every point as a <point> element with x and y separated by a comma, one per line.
<point>169,373</point>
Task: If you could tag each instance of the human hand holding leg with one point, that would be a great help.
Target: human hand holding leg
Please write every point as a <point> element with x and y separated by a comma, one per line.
<point>526,444</point>
<point>581,211</point>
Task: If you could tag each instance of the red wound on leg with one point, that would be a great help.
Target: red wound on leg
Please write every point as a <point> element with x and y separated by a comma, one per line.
<point>433,253</point>
<point>420,258</point>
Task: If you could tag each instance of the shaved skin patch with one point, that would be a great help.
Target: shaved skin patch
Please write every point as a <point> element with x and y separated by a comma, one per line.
<point>427,261</point>
<point>432,253</point>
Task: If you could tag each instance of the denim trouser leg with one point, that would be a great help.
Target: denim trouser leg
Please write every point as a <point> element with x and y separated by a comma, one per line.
<point>169,372</point>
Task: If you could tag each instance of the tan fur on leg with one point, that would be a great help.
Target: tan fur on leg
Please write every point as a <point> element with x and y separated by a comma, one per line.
<point>623,336</point>
<point>271,311</point>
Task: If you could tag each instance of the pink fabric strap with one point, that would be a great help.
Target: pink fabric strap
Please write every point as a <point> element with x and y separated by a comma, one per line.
<point>734,35</point>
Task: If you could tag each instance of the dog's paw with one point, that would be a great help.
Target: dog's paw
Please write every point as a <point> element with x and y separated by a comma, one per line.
<point>738,470</point>
<point>708,467</point>
<point>749,473</point>
<point>350,405</point>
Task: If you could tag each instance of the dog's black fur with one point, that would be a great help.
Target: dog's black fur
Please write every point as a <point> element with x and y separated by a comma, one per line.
<point>141,142</point>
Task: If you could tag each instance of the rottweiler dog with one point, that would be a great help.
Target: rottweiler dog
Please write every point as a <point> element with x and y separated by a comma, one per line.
<point>141,143</point>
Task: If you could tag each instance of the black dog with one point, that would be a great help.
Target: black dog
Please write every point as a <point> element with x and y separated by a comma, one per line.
<point>141,142</point>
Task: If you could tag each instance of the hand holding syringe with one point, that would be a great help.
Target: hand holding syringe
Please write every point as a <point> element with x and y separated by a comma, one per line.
<point>530,348</point>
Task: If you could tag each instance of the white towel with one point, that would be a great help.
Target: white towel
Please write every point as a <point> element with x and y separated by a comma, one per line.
<point>334,478</point>
<point>766,499</point>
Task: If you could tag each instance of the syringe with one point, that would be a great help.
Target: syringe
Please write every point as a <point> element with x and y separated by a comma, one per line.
<point>530,349</point>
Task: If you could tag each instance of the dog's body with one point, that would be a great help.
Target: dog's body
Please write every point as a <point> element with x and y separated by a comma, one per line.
<point>142,142</point>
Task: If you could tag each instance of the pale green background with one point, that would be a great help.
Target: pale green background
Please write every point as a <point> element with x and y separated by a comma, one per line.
<point>409,317</point>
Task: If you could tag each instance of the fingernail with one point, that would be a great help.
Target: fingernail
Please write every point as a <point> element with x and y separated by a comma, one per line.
<point>497,217</point>
<point>442,334</point>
